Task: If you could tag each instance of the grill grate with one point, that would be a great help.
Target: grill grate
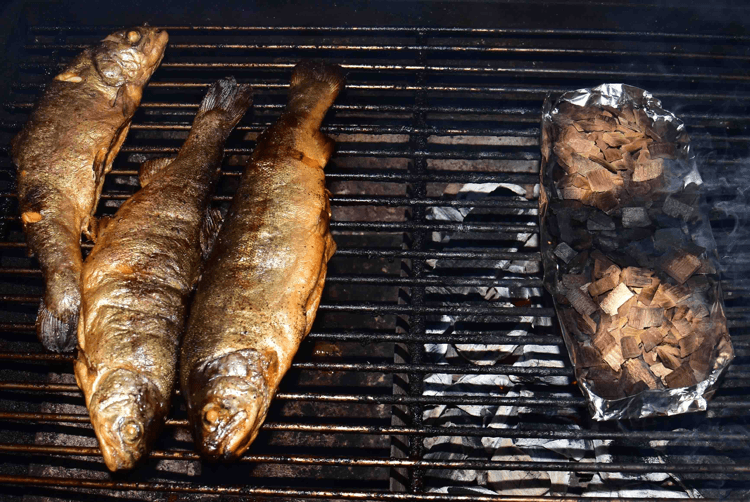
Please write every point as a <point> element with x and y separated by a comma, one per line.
<point>426,112</point>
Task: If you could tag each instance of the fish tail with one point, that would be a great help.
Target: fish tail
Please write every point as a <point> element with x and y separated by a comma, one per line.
<point>56,335</point>
<point>229,98</point>
<point>313,88</point>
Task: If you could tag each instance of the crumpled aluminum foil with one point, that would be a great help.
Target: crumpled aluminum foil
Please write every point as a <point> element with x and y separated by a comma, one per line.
<point>682,172</point>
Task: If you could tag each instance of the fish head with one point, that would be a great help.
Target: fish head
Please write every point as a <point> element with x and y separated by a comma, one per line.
<point>228,403</point>
<point>130,56</point>
<point>126,412</point>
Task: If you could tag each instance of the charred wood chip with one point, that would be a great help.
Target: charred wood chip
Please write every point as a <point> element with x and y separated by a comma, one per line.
<point>669,356</point>
<point>641,318</point>
<point>635,277</point>
<point>666,239</point>
<point>633,217</point>
<point>615,299</point>
<point>677,209</point>
<point>605,381</point>
<point>681,377</point>
<point>680,265</point>
<point>599,222</point>
<point>630,347</point>
<point>689,344</point>
<point>574,281</point>
<point>581,301</point>
<point>565,252</point>
<point>662,150</point>
<point>651,338</point>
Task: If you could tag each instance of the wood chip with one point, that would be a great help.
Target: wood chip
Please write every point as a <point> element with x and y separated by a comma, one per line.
<point>647,293</point>
<point>683,327</point>
<point>581,301</point>
<point>662,150</point>
<point>602,180</point>
<point>625,308</point>
<point>574,281</point>
<point>680,377</point>
<point>635,217</point>
<point>689,344</point>
<point>680,265</point>
<point>565,252</point>
<point>635,277</point>
<point>610,350</point>
<point>646,317</point>
<point>660,370</point>
<point>661,299</point>
<point>606,283</point>
<point>630,347</point>
<point>651,338</point>
<point>677,294</point>
<point>650,357</point>
<point>601,264</point>
<point>680,312</point>
<point>676,209</point>
<point>638,371</point>
<point>612,154</point>
<point>648,171</point>
<point>615,139</point>
<point>633,332</point>
<point>576,140</point>
<point>669,356</point>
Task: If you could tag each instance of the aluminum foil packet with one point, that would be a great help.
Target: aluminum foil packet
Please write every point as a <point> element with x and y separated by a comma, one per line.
<point>629,255</point>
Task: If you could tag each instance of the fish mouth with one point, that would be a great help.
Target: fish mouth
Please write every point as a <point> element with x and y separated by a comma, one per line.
<point>228,399</point>
<point>154,46</point>
<point>229,420</point>
<point>126,413</point>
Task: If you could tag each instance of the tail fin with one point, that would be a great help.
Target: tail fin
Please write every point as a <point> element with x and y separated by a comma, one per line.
<point>228,97</point>
<point>314,87</point>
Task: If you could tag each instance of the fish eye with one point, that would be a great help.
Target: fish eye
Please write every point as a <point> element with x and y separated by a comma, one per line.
<point>133,36</point>
<point>131,432</point>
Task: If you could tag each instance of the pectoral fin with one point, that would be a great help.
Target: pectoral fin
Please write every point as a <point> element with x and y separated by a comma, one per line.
<point>150,168</point>
<point>128,97</point>
<point>211,226</point>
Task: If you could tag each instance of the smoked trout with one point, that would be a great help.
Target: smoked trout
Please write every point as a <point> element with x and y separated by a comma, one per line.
<point>262,283</point>
<point>62,155</point>
<point>137,280</point>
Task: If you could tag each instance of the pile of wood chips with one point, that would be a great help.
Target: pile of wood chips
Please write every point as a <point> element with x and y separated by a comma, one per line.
<point>609,155</point>
<point>643,327</point>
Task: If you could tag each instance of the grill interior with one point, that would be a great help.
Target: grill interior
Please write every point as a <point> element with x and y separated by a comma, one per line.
<point>433,200</point>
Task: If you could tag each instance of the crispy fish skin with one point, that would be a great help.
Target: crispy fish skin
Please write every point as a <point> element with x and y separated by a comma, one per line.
<point>62,155</point>
<point>137,280</point>
<point>258,296</point>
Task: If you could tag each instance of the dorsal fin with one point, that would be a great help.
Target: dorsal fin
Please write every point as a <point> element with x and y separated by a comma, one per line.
<point>150,168</point>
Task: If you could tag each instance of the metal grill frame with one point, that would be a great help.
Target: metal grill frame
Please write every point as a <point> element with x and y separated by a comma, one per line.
<point>415,308</point>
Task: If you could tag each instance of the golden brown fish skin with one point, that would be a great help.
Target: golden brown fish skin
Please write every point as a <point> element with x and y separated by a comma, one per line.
<point>136,284</point>
<point>258,296</point>
<point>62,155</point>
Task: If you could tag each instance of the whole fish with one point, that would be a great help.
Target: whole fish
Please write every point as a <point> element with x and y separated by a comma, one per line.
<point>62,155</point>
<point>262,283</point>
<point>137,279</point>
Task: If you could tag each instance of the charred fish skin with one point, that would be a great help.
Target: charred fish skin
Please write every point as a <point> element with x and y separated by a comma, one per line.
<point>262,283</point>
<point>137,280</point>
<point>62,155</point>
